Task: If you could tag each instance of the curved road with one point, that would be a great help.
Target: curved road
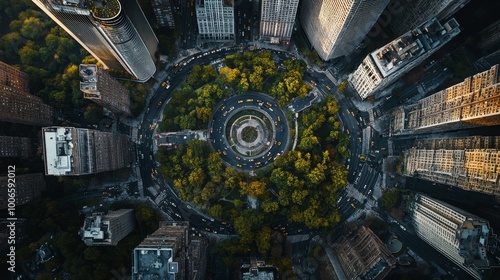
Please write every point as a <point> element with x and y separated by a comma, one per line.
<point>249,101</point>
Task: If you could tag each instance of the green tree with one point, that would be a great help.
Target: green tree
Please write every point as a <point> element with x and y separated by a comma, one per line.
<point>263,240</point>
<point>390,199</point>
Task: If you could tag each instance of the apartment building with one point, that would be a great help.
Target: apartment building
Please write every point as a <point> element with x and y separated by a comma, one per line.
<point>97,85</point>
<point>389,63</point>
<point>277,20</point>
<point>455,233</point>
<point>471,103</point>
<point>470,163</point>
<point>215,20</point>
<point>101,229</point>
<point>81,151</point>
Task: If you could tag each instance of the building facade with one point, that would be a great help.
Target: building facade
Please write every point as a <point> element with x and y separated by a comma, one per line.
<point>471,103</point>
<point>98,86</point>
<point>490,37</point>
<point>415,12</point>
<point>215,20</point>
<point>336,27</point>
<point>458,235</point>
<point>80,151</point>
<point>106,230</point>
<point>471,163</point>
<point>164,13</point>
<point>28,187</point>
<point>13,78</point>
<point>16,104</point>
<point>15,147</point>
<point>363,255</point>
<point>114,32</point>
<point>387,64</point>
<point>277,20</point>
<point>163,253</point>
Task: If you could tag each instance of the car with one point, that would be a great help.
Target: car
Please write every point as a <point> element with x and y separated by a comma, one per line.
<point>222,108</point>
<point>238,165</point>
<point>328,88</point>
<point>224,153</point>
<point>383,148</point>
<point>238,158</point>
<point>279,118</point>
<point>240,101</point>
<point>250,160</point>
<point>159,103</point>
<point>352,205</point>
<point>163,84</point>
<point>364,187</point>
<point>249,100</point>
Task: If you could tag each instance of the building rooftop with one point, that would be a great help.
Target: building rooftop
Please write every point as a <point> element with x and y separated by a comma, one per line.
<point>258,270</point>
<point>59,145</point>
<point>406,48</point>
<point>88,83</point>
<point>153,263</point>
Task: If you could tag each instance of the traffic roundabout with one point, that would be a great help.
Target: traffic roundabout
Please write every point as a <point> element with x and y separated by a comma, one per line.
<point>249,131</point>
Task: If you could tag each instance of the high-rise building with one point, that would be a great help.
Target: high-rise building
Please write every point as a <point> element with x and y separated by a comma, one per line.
<point>215,20</point>
<point>387,64</point>
<point>362,254</point>
<point>98,86</point>
<point>106,230</point>
<point>471,163</point>
<point>16,104</point>
<point>415,12</point>
<point>471,103</point>
<point>163,12</point>
<point>455,233</point>
<point>28,187</point>
<point>80,151</point>
<point>277,20</point>
<point>163,254</point>
<point>336,27</point>
<point>15,147</point>
<point>115,32</point>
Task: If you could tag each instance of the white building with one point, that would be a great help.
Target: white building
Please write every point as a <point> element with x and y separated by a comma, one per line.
<point>336,27</point>
<point>277,20</point>
<point>458,235</point>
<point>106,230</point>
<point>387,64</point>
<point>215,20</point>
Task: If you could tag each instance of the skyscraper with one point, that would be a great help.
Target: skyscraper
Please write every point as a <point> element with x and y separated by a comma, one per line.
<point>98,86</point>
<point>80,151</point>
<point>16,104</point>
<point>277,19</point>
<point>215,20</point>
<point>471,163</point>
<point>458,235</point>
<point>15,147</point>
<point>471,103</point>
<point>336,27</point>
<point>387,64</point>
<point>106,230</point>
<point>115,32</point>
<point>28,187</point>
<point>415,12</point>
